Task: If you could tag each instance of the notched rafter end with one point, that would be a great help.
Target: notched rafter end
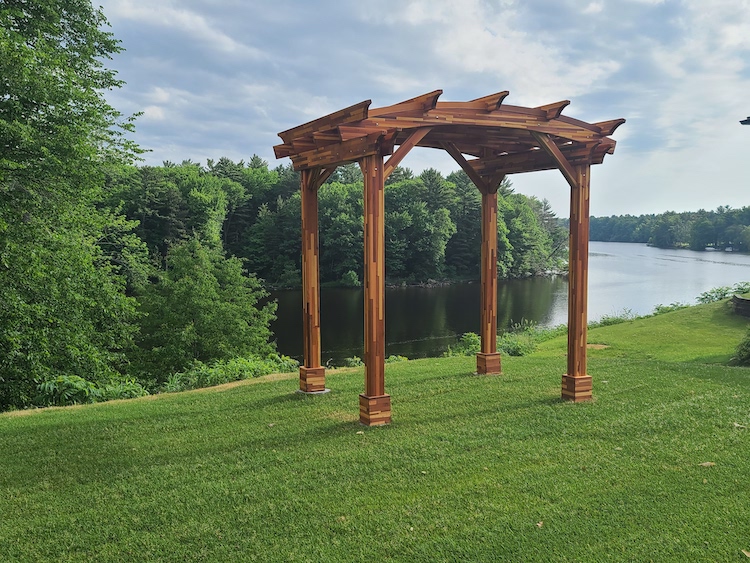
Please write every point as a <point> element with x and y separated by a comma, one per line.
<point>357,112</point>
<point>553,111</point>
<point>424,103</point>
<point>283,150</point>
<point>493,101</point>
<point>608,127</point>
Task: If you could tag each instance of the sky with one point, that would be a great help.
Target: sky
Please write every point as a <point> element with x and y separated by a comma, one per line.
<point>220,78</point>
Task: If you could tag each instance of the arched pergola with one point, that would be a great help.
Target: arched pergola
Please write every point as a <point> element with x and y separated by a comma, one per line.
<point>502,140</point>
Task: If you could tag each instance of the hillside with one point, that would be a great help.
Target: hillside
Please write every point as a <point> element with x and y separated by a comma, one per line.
<point>472,468</point>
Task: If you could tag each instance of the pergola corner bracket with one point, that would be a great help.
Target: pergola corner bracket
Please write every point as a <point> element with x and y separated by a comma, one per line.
<point>554,151</point>
<point>416,136</point>
<point>481,184</point>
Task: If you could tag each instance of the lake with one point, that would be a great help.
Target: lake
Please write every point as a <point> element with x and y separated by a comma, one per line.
<point>424,321</point>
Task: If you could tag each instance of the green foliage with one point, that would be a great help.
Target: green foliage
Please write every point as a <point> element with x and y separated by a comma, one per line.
<point>469,344</point>
<point>394,359</point>
<point>350,279</point>
<point>203,308</point>
<point>502,467</point>
<point>720,229</point>
<point>66,390</point>
<point>64,259</point>
<point>199,374</point>
<point>676,306</point>
<point>723,292</point>
<point>742,354</point>
<point>73,390</point>
<point>523,337</point>
<point>127,388</point>
<point>353,362</point>
<point>615,318</point>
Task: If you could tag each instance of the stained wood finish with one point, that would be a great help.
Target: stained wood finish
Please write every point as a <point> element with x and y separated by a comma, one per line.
<point>312,375</point>
<point>576,382</point>
<point>374,234</point>
<point>312,380</point>
<point>501,139</point>
<point>488,363</point>
<point>486,128</point>
<point>375,411</point>
<point>489,273</point>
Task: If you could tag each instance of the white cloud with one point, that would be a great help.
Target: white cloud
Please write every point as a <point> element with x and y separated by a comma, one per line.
<point>677,71</point>
<point>594,8</point>
<point>153,113</point>
<point>164,14</point>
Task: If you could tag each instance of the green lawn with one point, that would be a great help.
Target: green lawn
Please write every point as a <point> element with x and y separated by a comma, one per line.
<point>473,468</point>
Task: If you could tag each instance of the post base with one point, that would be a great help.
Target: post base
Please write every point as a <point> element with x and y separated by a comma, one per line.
<point>488,363</point>
<point>576,388</point>
<point>375,411</point>
<point>312,380</point>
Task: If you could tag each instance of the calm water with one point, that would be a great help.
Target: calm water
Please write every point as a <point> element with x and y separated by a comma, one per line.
<point>425,321</point>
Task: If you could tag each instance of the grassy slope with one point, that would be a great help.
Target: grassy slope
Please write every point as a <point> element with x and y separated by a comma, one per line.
<point>472,468</point>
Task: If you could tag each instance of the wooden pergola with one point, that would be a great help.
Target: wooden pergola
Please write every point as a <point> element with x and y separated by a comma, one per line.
<point>500,140</point>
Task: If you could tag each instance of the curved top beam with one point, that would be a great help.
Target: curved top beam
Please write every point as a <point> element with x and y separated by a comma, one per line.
<point>485,127</point>
<point>357,112</point>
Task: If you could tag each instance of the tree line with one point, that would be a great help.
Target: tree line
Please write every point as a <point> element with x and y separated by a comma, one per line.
<point>115,276</point>
<point>433,224</point>
<point>724,228</point>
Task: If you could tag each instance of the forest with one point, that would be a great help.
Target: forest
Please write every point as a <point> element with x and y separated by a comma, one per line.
<point>722,229</point>
<point>116,277</point>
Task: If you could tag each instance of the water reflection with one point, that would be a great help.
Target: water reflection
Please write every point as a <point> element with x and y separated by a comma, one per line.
<point>424,321</point>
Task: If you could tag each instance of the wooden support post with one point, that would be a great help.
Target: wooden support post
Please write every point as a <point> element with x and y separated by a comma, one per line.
<point>488,360</point>
<point>374,404</point>
<point>312,377</point>
<point>576,384</point>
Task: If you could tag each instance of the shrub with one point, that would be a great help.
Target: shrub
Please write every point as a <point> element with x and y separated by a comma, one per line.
<point>661,309</point>
<point>353,362</point>
<point>66,390</point>
<point>719,293</point>
<point>125,389</point>
<point>469,345</point>
<point>715,294</point>
<point>394,359</point>
<point>200,375</point>
<point>742,355</point>
<point>607,320</point>
<point>350,279</point>
<point>517,343</point>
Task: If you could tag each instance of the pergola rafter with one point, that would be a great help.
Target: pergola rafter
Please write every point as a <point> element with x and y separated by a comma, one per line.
<point>498,140</point>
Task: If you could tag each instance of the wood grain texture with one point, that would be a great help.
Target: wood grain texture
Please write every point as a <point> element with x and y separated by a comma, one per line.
<point>502,139</point>
<point>578,273</point>
<point>489,363</point>
<point>375,411</point>
<point>357,112</point>
<point>577,388</point>
<point>312,380</point>
<point>488,317</point>
<point>485,127</point>
<point>310,276</point>
<point>374,274</point>
<point>406,146</point>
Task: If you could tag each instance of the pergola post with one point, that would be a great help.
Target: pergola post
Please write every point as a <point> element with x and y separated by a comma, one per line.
<point>374,403</point>
<point>500,140</point>
<point>576,384</point>
<point>312,377</point>
<point>488,359</point>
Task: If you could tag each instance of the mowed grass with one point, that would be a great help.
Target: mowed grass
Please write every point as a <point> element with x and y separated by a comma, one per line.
<point>473,468</point>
